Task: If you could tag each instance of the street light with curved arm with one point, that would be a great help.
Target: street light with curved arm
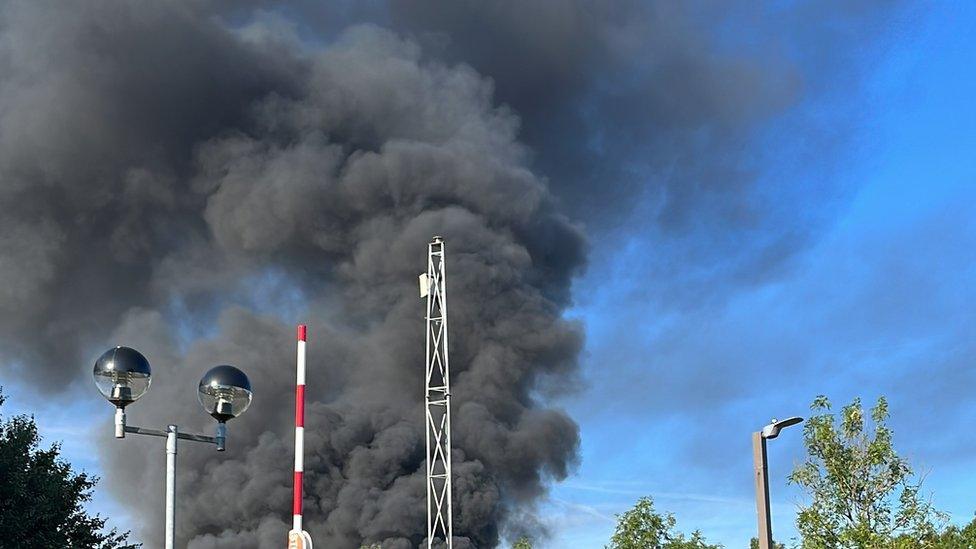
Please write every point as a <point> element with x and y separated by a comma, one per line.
<point>761,470</point>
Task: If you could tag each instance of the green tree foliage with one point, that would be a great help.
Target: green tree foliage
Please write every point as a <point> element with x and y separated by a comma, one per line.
<point>862,493</point>
<point>41,499</point>
<point>954,537</point>
<point>754,544</point>
<point>522,543</point>
<point>644,528</point>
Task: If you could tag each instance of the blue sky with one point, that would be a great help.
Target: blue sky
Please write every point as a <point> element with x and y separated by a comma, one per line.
<point>879,301</point>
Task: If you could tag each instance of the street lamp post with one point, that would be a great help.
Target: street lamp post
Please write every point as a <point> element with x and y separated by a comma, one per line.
<point>123,375</point>
<point>761,476</point>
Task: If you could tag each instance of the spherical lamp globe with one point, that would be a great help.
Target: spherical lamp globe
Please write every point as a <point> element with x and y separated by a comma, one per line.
<point>122,375</point>
<point>224,392</point>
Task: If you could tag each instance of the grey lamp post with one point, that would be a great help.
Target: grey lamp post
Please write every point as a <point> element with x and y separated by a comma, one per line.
<point>123,375</point>
<point>762,480</point>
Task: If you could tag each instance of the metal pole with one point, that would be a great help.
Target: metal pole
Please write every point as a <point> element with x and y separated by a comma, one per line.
<point>171,437</point>
<point>120,423</point>
<point>299,432</point>
<point>762,490</point>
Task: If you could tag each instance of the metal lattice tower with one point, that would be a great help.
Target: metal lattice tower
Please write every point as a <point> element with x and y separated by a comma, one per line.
<point>433,286</point>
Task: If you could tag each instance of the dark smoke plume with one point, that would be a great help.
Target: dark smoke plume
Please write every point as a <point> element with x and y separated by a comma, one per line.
<point>193,178</point>
<point>166,174</point>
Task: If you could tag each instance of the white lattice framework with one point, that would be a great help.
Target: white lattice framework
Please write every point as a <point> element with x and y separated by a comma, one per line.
<point>433,286</point>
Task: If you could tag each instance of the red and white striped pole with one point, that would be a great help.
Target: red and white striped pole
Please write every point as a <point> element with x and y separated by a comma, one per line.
<point>298,538</point>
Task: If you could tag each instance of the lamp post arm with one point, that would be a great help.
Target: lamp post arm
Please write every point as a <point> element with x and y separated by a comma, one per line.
<point>181,435</point>
<point>198,438</point>
<point>121,428</point>
<point>145,431</point>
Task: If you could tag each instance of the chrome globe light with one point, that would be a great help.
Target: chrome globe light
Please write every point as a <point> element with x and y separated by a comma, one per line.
<point>122,375</point>
<point>224,392</point>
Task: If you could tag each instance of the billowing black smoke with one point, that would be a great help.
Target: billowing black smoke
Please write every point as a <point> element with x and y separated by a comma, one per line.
<point>164,175</point>
<point>191,179</point>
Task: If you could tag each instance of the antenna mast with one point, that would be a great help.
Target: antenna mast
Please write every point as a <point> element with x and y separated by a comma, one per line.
<point>433,286</point>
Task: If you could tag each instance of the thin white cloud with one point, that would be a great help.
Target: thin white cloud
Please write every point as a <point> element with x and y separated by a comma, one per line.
<point>631,489</point>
